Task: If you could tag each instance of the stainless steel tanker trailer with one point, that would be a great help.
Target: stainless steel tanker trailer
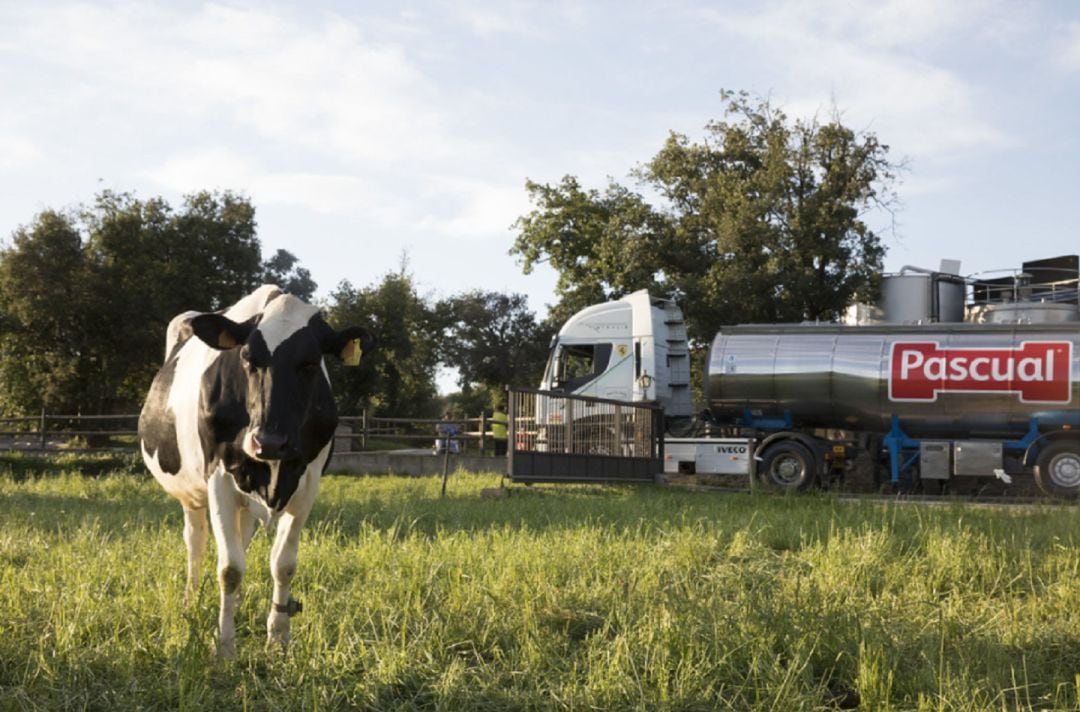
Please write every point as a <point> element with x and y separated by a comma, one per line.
<point>950,377</point>
<point>972,399</point>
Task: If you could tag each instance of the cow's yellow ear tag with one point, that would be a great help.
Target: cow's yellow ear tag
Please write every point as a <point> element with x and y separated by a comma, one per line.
<point>351,353</point>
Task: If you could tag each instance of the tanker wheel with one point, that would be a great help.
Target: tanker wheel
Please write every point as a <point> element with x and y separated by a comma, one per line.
<point>787,465</point>
<point>1057,471</point>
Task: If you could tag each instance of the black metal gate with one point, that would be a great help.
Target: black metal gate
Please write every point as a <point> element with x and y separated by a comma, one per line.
<point>556,437</point>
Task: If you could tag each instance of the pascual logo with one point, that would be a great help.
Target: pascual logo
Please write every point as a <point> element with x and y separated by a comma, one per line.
<point>1040,371</point>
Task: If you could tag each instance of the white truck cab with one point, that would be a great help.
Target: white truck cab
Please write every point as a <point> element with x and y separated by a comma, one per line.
<point>630,349</point>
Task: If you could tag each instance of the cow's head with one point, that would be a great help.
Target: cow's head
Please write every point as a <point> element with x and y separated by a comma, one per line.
<point>280,354</point>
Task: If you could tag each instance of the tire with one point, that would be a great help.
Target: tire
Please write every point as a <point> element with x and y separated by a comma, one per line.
<point>788,465</point>
<point>1057,471</point>
<point>599,441</point>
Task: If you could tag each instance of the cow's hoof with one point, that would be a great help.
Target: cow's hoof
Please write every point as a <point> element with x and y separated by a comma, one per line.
<point>226,649</point>
<point>278,638</point>
<point>277,629</point>
<point>278,641</point>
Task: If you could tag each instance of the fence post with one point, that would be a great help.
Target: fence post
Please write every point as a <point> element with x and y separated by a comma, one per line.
<point>511,433</point>
<point>41,429</point>
<point>619,446</point>
<point>483,430</point>
<point>364,429</point>
<point>570,441</point>
<point>658,436</point>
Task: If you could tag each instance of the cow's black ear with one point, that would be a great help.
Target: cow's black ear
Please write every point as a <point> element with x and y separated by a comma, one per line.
<point>348,344</point>
<point>219,332</point>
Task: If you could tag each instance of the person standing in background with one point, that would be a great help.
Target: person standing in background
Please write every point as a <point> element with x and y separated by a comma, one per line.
<point>499,423</point>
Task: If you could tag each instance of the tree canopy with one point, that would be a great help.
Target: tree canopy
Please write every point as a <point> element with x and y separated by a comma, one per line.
<point>494,341</point>
<point>86,294</point>
<point>398,379</point>
<point>761,221</point>
<point>284,270</point>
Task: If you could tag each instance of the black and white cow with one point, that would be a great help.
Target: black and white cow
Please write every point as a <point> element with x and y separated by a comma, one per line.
<point>240,421</point>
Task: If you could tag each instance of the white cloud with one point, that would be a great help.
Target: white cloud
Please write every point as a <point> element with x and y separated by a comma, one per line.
<point>920,184</point>
<point>318,84</point>
<point>881,24</point>
<point>928,111</point>
<point>291,109</point>
<point>17,152</point>
<point>208,168</point>
<point>326,88</point>
<point>448,206</point>
<point>476,209</point>
<point>878,54</point>
<point>488,21</point>
<point>519,17</point>
<point>341,194</point>
<point>1069,55</point>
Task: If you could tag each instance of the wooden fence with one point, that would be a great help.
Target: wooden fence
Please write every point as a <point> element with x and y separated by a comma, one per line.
<point>103,433</point>
<point>78,433</point>
<point>362,433</point>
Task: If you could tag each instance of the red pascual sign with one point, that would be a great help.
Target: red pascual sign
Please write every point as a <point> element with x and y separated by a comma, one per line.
<point>1040,371</point>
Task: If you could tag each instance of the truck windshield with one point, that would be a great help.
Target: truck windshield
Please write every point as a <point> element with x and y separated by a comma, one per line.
<point>581,363</point>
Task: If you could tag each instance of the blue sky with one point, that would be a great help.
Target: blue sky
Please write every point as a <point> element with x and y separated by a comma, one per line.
<point>363,131</point>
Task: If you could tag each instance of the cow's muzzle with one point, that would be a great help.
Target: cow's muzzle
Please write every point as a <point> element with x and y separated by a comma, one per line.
<point>269,446</point>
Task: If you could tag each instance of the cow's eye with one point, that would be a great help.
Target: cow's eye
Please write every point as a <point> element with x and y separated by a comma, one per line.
<point>245,356</point>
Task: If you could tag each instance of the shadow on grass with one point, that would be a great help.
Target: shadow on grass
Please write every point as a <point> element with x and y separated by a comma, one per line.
<point>416,508</point>
<point>19,466</point>
<point>52,513</point>
<point>411,506</point>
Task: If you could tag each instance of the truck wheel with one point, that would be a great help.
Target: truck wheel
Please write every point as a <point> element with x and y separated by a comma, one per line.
<point>787,465</point>
<point>600,441</point>
<point>1057,471</point>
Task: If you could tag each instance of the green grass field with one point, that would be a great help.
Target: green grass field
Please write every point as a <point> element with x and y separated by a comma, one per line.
<point>551,598</point>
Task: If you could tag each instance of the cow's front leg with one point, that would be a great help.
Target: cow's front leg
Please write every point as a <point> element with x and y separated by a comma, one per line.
<point>248,522</point>
<point>195,535</point>
<point>225,511</point>
<point>283,560</point>
<point>283,568</point>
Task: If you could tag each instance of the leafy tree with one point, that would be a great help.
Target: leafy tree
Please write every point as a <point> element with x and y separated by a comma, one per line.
<point>398,379</point>
<point>602,245</point>
<point>762,221</point>
<point>471,402</point>
<point>494,341</point>
<point>146,263</point>
<point>42,285</point>
<point>282,269</point>
<point>217,241</point>
<point>86,295</point>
